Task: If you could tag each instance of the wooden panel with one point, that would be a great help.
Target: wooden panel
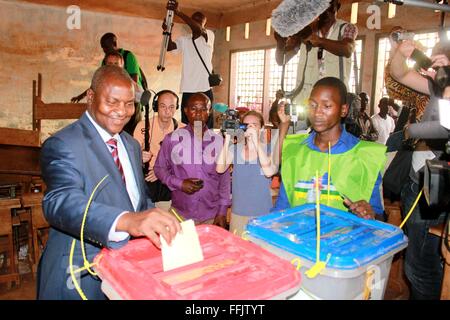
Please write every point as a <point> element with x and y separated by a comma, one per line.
<point>31,199</point>
<point>38,219</point>
<point>5,222</point>
<point>59,110</point>
<point>8,204</point>
<point>19,137</point>
<point>26,160</point>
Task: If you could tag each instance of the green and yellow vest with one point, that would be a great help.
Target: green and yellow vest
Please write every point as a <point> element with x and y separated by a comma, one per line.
<point>353,172</point>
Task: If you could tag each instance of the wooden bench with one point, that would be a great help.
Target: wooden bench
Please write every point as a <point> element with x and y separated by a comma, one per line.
<point>7,241</point>
<point>52,111</point>
<point>33,202</point>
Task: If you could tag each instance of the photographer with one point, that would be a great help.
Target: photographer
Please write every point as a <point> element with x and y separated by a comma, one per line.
<point>194,48</point>
<point>328,44</point>
<point>423,266</point>
<point>253,166</point>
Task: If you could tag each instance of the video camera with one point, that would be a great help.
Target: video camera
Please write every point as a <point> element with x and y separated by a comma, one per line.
<point>232,124</point>
<point>435,125</point>
<point>422,61</point>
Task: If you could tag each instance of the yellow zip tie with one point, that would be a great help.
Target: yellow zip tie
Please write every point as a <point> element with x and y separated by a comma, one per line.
<point>412,209</point>
<point>329,172</point>
<point>180,219</point>
<point>84,268</point>
<point>83,250</point>
<point>72,273</point>
<point>297,262</point>
<point>319,265</point>
<point>244,234</point>
<point>367,293</point>
<point>317,218</point>
<point>86,263</point>
<point>317,268</point>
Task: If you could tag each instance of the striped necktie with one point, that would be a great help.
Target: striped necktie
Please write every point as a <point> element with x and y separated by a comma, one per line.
<point>112,144</point>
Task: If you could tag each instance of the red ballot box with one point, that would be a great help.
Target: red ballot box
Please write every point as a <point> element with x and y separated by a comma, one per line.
<point>232,269</point>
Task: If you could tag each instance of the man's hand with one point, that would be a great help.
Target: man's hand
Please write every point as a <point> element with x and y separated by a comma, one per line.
<point>150,223</point>
<point>361,208</point>
<point>284,118</point>
<point>151,176</point>
<point>279,94</point>
<point>146,156</point>
<point>221,221</point>
<point>164,25</point>
<point>77,98</point>
<point>439,60</point>
<point>191,185</point>
<point>172,5</point>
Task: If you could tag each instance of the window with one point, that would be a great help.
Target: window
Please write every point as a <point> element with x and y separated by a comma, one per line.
<point>428,40</point>
<point>352,83</point>
<point>256,77</point>
<point>250,79</point>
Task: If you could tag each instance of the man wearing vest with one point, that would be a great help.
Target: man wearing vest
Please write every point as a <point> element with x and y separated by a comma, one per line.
<point>347,167</point>
<point>331,44</point>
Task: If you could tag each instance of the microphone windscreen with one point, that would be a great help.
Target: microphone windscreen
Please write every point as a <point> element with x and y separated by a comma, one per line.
<point>428,130</point>
<point>220,107</point>
<point>145,97</point>
<point>291,16</point>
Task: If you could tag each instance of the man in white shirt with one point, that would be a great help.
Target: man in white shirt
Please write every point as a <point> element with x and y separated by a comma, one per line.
<point>74,161</point>
<point>194,76</point>
<point>383,122</point>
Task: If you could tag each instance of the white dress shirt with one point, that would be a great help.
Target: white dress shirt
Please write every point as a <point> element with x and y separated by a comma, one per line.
<point>130,179</point>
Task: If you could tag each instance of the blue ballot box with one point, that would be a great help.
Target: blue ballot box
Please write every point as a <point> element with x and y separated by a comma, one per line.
<point>358,253</point>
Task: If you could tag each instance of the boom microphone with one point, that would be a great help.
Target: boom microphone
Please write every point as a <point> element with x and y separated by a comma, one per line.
<point>428,130</point>
<point>145,97</point>
<point>291,16</point>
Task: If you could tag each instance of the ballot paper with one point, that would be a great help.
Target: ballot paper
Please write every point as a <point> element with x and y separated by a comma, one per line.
<point>185,248</point>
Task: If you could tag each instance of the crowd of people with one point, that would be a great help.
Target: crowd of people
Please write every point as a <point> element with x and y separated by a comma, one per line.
<point>189,165</point>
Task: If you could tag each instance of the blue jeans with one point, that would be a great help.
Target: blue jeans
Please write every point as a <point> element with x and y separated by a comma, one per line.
<point>423,265</point>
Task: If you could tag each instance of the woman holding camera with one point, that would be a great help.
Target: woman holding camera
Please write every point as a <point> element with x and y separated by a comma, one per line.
<point>423,266</point>
<point>254,164</point>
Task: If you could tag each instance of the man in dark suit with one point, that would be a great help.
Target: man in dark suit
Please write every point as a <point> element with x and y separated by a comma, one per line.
<point>73,161</point>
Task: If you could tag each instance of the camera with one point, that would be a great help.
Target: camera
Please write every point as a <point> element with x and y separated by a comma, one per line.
<point>422,61</point>
<point>399,36</point>
<point>232,124</point>
<point>435,125</point>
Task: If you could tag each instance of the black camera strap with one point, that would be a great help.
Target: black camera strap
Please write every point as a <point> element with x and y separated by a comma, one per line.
<point>199,55</point>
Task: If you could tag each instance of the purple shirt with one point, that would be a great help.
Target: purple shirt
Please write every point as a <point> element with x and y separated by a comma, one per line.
<point>183,156</point>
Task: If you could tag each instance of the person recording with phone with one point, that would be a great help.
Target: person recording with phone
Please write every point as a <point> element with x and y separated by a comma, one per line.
<point>422,264</point>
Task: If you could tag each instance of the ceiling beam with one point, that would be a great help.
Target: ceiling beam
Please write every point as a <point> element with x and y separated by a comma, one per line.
<point>139,9</point>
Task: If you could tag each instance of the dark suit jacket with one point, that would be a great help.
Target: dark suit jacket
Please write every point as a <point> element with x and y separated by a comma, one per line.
<point>73,161</point>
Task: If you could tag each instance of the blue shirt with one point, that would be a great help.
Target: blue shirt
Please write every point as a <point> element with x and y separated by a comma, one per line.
<point>250,187</point>
<point>346,142</point>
